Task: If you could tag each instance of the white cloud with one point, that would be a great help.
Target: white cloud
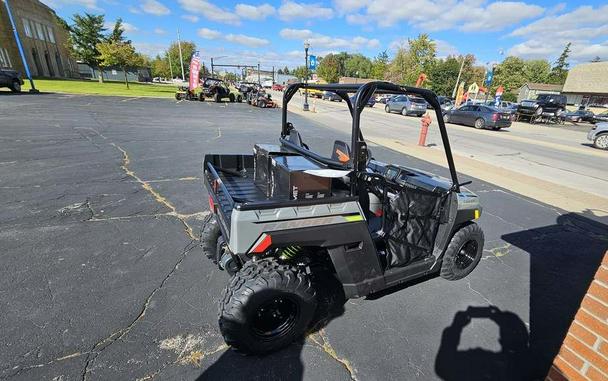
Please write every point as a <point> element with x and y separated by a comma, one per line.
<point>160,31</point>
<point>154,7</point>
<point>290,10</point>
<point>445,49</point>
<point>253,12</point>
<point>128,28</point>
<point>242,39</point>
<point>585,27</point>
<point>89,4</point>
<point>209,34</point>
<point>318,40</point>
<point>191,18</point>
<point>434,15</point>
<point>150,49</point>
<point>210,11</point>
<point>347,6</point>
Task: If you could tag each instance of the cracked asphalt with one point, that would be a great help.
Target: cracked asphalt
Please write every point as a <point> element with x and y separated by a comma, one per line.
<point>102,278</point>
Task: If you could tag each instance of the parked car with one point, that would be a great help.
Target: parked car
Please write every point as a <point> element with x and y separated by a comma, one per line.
<point>315,93</point>
<point>331,96</point>
<point>479,116</point>
<point>406,105</point>
<point>278,87</point>
<point>601,117</point>
<point>599,136</point>
<point>543,104</point>
<point>384,98</point>
<point>370,103</point>
<point>579,116</point>
<point>11,79</point>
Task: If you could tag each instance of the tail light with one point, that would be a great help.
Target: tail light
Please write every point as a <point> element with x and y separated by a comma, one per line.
<point>494,117</point>
<point>211,205</point>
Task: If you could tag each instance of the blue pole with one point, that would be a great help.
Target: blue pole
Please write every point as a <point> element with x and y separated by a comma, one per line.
<point>27,68</point>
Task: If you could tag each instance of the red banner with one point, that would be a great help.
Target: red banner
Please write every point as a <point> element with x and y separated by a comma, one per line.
<point>195,68</point>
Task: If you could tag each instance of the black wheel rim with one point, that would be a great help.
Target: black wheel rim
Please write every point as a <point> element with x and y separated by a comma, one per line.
<point>275,318</point>
<point>466,255</point>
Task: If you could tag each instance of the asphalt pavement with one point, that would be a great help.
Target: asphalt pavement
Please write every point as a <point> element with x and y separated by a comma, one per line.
<point>102,277</point>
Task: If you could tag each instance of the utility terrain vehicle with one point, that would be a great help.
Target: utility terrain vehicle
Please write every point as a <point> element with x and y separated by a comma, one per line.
<point>284,212</point>
<point>218,91</point>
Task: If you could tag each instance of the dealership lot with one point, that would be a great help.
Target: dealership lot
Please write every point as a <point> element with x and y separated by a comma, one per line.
<point>103,278</point>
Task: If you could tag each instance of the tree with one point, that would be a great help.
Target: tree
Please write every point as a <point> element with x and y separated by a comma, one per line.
<point>329,68</point>
<point>537,71</point>
<point>280,71</point>
<point>85,35</point>
<point>160,67</point>
<point>119,54</point>
<point>188,48</point>
<point>117,34</point>
<point>300,72</point>
<point>410,62</point>
<point>510,73</point>
<point>357,65</point>
<point>380,65</point>
<point>559,72</point>
<point>286,70</point>
<point>442,75</point>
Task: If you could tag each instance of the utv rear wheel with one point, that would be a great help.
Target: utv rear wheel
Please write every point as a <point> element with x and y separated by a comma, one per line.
<point>231,98</point>
<point>201,98</point>
<point>261,104</point>
<point>479,123</point>
<point>210,233</point>
<point>239,98</point>
<point>266,306</point>
<point>217,98</point>
<point>463,253</point>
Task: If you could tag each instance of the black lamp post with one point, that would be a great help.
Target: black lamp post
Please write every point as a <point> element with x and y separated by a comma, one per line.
<point>306,46</point>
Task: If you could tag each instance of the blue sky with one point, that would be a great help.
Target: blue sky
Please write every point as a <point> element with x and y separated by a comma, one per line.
<point>272,32</point>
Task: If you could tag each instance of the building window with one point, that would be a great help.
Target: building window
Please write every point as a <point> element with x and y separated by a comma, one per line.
<point>26,28</point>
<point>49,34</point>
<point>5,60</point>
<point>39,31</point>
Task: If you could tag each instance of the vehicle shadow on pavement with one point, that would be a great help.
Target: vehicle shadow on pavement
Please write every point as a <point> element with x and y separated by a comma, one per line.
<point>287,363</point>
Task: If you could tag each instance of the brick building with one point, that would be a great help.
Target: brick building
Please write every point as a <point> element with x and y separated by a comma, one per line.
<point>43,39</point>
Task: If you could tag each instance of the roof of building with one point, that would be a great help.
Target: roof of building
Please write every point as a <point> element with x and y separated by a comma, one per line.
<point>355,80</point>
<point>543,86</point>
<point>588,78</point>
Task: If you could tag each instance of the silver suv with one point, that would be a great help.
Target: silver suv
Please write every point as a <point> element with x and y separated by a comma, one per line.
<point>406,105</point>
<point>599,136</point>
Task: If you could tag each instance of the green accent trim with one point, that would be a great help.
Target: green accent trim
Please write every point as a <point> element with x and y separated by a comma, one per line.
<point>354,218</point>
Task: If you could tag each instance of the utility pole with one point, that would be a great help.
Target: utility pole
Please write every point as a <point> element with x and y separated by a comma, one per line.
<point>458,79</point>
<point>259,80</point>
<point>27,68</point>
<point>212,72</point>
<point>181,59</point>
<point>170,65</point>
<point>273,74</point>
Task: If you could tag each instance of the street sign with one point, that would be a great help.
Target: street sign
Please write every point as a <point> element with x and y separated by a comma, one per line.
<point>474,88</point>
<point>312,62</point>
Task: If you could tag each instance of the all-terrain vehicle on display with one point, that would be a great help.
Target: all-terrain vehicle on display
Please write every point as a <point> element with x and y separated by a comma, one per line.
<point>283,212</point>
<point>262,99</point>
<point>218,90</point>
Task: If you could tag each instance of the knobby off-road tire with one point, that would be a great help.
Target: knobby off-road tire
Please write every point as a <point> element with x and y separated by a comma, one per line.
<point>217,98</point>
<point>16,87</point>
<point>239,98</point>
<point>463,253</point>
<point>231,97</point>
<point>209,236</point>
<point>261,104</point>
<point>266,306</point>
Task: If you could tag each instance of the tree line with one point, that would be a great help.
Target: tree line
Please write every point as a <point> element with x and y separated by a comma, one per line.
<point>419,55</point>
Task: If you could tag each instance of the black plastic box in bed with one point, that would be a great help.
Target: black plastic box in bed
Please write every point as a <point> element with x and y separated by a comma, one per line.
<point>288,177</point>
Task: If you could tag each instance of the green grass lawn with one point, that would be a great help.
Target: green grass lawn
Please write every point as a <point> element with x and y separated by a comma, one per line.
<point>106,88</point>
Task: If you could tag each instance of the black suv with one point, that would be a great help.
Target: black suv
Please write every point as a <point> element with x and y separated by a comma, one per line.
<point>544,104</point>
<point>11,79</point>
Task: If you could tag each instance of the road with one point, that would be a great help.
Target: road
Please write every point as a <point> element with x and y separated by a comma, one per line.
<point>569,169</point>
<point>102,277</point>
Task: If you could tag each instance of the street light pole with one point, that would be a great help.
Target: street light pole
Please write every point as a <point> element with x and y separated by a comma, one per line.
<point>305,107</point>
<point>181,59</point>
<point>25,65</point>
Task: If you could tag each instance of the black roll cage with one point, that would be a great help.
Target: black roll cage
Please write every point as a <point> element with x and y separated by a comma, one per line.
<point>363,92</point>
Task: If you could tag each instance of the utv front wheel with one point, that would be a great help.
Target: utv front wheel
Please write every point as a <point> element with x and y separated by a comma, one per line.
<point>231,97</point>
<point>463,253</point>
<point>16,87</point>
<point>266,306</point>
<point>239,98</point>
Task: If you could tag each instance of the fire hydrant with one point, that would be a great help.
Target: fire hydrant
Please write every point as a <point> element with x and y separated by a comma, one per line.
<point>424,122</point>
